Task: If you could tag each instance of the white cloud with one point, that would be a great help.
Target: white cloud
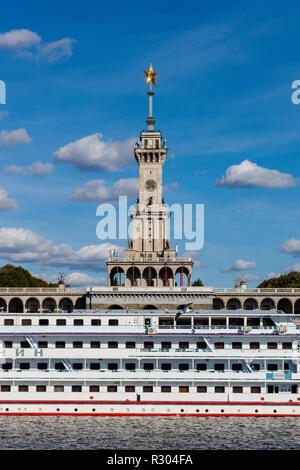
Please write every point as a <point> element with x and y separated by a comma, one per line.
<point>20,245</point>
<point>250,175</point>
<point>56,50</point>
<point>30,45</point>
<point>294,267</point>
<point>97,191</point>
<point>19,39</point>
<point>92,153</point>
<point>291,247</point>
<point>6,203</point>
<point>239,265</point>
<point>251,277</point>
<point>81,279</point>
<point>37,169</point>
<point>16,137</point>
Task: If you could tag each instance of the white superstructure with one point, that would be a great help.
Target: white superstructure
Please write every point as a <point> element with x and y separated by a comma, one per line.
<point>150,363</point>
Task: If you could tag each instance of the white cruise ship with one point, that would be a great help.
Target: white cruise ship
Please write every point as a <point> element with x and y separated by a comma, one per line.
<point>187,363</point>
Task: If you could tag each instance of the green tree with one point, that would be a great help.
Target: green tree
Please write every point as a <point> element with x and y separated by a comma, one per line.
<point>198,283</point>
<point>16,276</point>
<point>285,280</point>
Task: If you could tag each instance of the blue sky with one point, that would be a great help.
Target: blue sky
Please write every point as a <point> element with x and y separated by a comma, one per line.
<point>223,102</point>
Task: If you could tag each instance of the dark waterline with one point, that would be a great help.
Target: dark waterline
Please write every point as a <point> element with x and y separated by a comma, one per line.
<point>153,433</point>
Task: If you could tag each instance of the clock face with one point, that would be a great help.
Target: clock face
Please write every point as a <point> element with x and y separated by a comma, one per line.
<point>150,185</point>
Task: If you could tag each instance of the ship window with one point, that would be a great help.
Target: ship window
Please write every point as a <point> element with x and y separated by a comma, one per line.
<point>42,365</point>
<point>59,366</point>
<point>96,322</point>
<point>43,322</point>
<point>78,322</point>
<point>272,345</point>
<point>41,388</point>
<point>24,365</point>
<point>166,345</point>
<point>112,388</point>
<point>253,321</point>
<point>60,344</point>
<point>219,345</point>
<point>165,389</point>
<point>26,321</point>
<point>112,366</point>
<point>77,344</point>
<point>183,367</point>
<point>183,389</point>
<point>95,344</point>
<point>113,322</point>
<point>148,344</point>
<point>148,366</point>
<point>59,388</point>
<point>268,321</point>
<point>255,366</point>
<point>201,345</point>
<point>24,344</point>
<point>219,366</point>
<point>76,388</point>
<point>183,345</point>
<point>23,388</point>
<point>8,321</point>
<point>147,389</point>
<point>113,344</point>
<point>43,344</point>
<point>218,321</point>
<point>61,322</point>
<point>130,366</point>
<point>129,388</point>
<point>201,321</point>
<point>219,389</point>
<point>201,366</point>
<point>130,344</point>
<point>255,389</point>
<point>237,389</point>
<point>166,321</point>
<point>77,366</point>
<point>7,365</point>
<point>236,321</point>
<point>237,367</point>
<point>237,345</point>
<point>287,345</point>
<point>187,321</point>
<point>254,345</point>
<point>5,388</point>
<point>272,367</point>
<point>156,144</point>
<point>94,388</point>
<point>166,366</point>
<point>8,344</point>
<point>94,366</point>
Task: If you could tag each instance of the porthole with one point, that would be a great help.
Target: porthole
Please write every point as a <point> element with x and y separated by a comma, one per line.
<point>256,411</point>
<point>94,409</point>
<point>197,411</point>
<point>6,409</point>
<point>111,409</point>
<point>222,411</point>
<point>127,409</point>
<point>206,411</point>
<point>294,411</point>
<point>57,409</point>
<point>152,409</point>
<point>143,409</point>
<point>274,411</point>
<point>182,411</point>
<point>168,410</point>
<point>75,409</point>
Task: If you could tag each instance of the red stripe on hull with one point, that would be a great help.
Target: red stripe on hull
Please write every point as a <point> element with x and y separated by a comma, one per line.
<point>216,415</point>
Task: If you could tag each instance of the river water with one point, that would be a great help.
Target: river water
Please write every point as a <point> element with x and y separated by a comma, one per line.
<point>153,433</point>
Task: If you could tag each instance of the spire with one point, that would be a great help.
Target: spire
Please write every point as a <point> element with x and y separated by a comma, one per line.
<point>150,74</point>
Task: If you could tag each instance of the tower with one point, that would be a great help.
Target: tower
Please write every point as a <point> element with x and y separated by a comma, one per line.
<point>149,260</point>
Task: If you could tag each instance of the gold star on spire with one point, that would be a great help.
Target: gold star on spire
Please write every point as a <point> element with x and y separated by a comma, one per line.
<point>150,75</point>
